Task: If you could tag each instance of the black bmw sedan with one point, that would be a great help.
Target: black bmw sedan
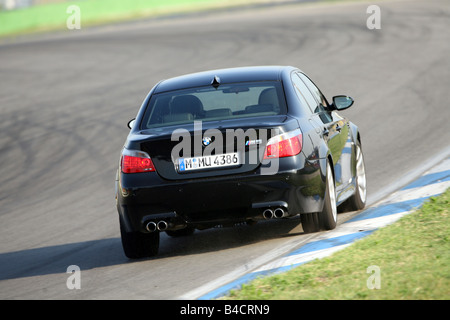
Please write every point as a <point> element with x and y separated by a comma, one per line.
<point>236,145</point>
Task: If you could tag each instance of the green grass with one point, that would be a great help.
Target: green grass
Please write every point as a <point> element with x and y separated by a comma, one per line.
<point>53,16</point>
<point>413,256</point>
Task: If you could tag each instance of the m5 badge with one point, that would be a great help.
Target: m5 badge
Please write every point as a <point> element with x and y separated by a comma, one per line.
<point>253,142</point>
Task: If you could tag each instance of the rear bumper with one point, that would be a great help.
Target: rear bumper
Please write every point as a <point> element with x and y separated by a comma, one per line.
<point>298,186</point>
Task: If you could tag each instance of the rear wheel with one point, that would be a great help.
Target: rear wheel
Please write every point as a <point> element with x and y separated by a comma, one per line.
<point>328,216</point>
<point>139,245</point>
<point>358,200</point>
<point>327,219</point>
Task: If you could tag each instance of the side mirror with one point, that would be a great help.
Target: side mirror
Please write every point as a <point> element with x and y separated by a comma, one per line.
<point>342,102</point>
<point>130,123</point>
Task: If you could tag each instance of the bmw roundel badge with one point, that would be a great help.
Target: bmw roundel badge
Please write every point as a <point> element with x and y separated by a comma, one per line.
<point>206,141</point>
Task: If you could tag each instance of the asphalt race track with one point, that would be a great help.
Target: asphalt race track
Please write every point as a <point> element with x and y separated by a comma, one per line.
<point>66,97</point>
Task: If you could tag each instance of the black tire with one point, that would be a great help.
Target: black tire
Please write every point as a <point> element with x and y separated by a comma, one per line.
<point>327,219</point>
<point>328,216</point>
<point>138,245</point>
<point>358,200</point>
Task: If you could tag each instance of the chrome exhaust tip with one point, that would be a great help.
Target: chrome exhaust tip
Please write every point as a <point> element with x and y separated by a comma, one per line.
<point>162,225</point>
<point>280,213</point>
<point>151,226</point>
<point>268,214</point>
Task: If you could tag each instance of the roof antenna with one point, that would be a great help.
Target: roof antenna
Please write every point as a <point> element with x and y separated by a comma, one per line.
<point>215,82</point>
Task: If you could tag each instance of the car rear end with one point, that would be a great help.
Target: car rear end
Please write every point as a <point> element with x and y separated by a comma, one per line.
<point>214,155</point>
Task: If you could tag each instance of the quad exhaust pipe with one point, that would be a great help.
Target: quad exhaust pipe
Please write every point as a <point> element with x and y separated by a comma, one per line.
<point>162,225</point>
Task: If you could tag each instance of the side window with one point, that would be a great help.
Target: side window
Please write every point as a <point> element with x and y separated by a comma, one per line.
<point>322,105</point>
<point>315,91</point>
<point>303,93</point>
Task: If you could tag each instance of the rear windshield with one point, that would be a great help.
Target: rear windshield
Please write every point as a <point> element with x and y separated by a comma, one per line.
<point>228,101</point>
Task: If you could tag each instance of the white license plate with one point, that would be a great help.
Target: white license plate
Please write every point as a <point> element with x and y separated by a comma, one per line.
<point>208,162</point>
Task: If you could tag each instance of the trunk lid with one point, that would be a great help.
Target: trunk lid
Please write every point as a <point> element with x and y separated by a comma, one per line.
<point>208,149</point>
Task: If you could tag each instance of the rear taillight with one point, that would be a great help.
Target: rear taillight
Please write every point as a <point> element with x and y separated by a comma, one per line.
<point>134,161</point>
<point>284,145</point>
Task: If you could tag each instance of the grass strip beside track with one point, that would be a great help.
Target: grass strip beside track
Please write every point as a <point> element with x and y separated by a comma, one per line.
<point>413,257</point>
<point>53,16</point>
